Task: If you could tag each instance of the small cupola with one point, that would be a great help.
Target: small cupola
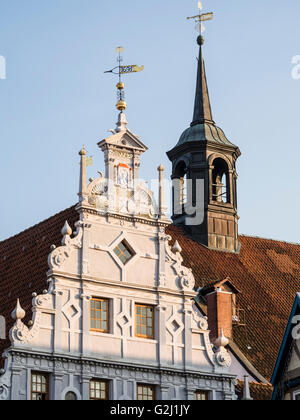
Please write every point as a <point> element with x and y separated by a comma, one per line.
<point>204,175</point>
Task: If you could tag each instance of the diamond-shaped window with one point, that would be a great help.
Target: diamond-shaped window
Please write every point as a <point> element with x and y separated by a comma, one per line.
<point>124,252</point>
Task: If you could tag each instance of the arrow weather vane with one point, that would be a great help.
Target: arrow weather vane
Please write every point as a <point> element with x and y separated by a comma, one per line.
<point>201,17</point>
<point>120,70</point>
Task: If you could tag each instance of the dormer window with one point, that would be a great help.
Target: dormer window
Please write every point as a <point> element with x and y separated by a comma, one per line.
<point>124,252</point>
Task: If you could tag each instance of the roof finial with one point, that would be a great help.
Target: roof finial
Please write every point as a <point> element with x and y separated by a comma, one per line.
<point>201,17</point>
<point>82,177</point>
<point>202,109</point>
<point>120,70</point>
<point>18,313</point>
<point>122,123</point>
<point>162,209</point>
<point>222,341</point>
<point>121,104</point>
<point>66,230</point>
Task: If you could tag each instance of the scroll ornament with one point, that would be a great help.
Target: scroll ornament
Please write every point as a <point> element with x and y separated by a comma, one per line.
<point>59,255</point>
<point>185,275</point>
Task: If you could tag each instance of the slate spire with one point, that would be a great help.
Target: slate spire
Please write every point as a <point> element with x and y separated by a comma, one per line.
<point>202,108</point>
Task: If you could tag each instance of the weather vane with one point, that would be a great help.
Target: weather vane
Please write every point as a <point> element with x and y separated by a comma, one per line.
<point>120,70</point>
<point>201,17</point>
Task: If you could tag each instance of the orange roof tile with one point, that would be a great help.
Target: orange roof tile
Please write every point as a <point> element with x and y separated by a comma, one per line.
<point>259,392</point>
<point>267,275</point>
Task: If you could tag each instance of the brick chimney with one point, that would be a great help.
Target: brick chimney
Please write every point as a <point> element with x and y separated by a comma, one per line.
<point>220,298</point>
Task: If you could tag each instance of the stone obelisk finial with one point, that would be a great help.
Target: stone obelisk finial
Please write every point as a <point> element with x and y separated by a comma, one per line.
<point>162,208</point>
<point>82,178</point>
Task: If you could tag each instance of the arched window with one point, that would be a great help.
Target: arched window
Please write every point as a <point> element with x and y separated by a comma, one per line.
<point>181,175</point>
<point>221,188</point>
<point>71,396</point>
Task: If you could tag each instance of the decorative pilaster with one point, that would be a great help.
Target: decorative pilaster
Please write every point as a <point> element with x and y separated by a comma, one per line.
<point>85,343</point>
<point>164,393</point>
<point>162,238</point>
<point>57,384</point>
<point>58,322</point>
<point>190,394</point>
<point>15,383</point>
<point>162,351</point>
<point>188,344</point>
<point>85,387</point>
<point>85,249</point>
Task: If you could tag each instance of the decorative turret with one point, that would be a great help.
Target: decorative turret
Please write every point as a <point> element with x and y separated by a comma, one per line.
<point>204,172</point>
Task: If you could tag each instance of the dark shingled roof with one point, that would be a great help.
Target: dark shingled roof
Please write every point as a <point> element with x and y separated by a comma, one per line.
<point>266,272</point>
<point>267,275</point>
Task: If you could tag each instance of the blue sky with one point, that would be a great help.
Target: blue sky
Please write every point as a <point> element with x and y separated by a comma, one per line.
<point>56,98</point>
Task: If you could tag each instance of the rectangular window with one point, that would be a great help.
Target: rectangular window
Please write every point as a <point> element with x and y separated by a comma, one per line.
<point>99,315</point>
<point>99,389</point>
<point>144,321</point>
<point>145,392</point>
<point>39,386</point>
<point>202,395</point>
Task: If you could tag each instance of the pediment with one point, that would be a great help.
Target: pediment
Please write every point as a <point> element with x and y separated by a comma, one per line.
<point>124,139</point>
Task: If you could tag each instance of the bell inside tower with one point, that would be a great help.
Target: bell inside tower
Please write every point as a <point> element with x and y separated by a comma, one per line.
<point>221,188</point>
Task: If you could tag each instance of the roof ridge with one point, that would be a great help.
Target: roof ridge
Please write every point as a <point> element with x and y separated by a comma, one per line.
<point>37,224</point>
<point>269,239</point>
<point>240,235</point>
<point>256,383</point>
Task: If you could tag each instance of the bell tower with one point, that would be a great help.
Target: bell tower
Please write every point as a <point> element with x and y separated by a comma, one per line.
<point>205,158</point>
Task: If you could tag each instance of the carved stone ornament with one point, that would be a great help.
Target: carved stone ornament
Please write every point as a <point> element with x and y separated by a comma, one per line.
<point>97,193</point>
<point>223,357</point>
<point>4,390</point>
<point>198,320</point>
<point>185,275</point>
<point>59,255</point>
<point>20,333</point>
<point>41,300</point>
<point>121,196</point>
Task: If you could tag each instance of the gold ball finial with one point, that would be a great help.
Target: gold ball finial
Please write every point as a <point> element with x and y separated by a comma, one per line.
<point>82,151</point>
<point>121,106</point>
<point>120,86</point>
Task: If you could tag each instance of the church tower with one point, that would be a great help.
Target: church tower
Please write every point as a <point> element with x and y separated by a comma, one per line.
<point>204,175</point>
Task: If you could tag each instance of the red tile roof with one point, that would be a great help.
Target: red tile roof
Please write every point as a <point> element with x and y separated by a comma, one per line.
<point>266,272</point>
<point>267,275</point>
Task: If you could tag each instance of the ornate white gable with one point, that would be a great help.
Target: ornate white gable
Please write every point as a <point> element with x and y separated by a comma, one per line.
<point>119,210</point>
